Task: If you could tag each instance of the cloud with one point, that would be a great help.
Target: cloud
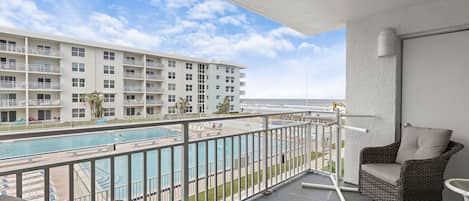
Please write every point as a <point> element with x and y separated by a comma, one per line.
<point>210,9</point>
<point>285,31</point>
<point>236,20</point>
<point>176,3</point>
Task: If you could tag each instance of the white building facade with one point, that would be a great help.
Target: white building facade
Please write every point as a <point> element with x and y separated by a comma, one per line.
<point>43,77</point>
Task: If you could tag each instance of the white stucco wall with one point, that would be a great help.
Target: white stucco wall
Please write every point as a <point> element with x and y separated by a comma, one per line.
<point>371,81</point>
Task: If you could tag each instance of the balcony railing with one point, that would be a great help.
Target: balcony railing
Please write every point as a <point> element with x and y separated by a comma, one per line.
<point>43,52</point>
<point>205,166</point>
<point>133,62</point>
<point>133,88</point>
<point>12,84</point>
<point>154,89</point>
<point>133,102</point>
<point>242,75</point>
<point>45,68</point>
<point>11,48</point>
<point>11,103</point>
<point>134,75</point>
<point>155,102</point>
<point>44,102</point>
<point>155,64</point>
<point>44,85</point>
<point>11,66</point>
<point>154,77</point>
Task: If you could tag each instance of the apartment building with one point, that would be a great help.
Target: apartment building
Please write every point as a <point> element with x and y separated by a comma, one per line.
<point>43,78</point>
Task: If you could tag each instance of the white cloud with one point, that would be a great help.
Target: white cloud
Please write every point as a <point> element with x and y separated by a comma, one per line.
<point>210,9</point>
<point>176,3</point>
<point>236,20</point>
<point>306,45</point>
<point>285,31</point>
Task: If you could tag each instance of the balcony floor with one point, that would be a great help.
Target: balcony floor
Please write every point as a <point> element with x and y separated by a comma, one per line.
<point>294,192</point>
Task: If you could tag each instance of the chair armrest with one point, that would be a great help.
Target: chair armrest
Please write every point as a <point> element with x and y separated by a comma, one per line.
<point>423,176</point>
<point>384,154</point>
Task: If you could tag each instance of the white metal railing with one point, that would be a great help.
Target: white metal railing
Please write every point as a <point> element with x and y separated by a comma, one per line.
<point>44,85</point>
<point>133,88</point>
<point>154,77</point>
<point>155,64</point>
<point>154,89</point>
<point>242,75</point>
<point>12,84</point>
<point>44,102</point>
<point>133,75</point>
<point>11,66</point>
<point>46,68</point>
<point>43,52</point>
<point>133,101</point>
<point>11,103</point>
<point>248,163</point>
<point>133,62</point>
<point>11,48</point>
<point>155,102</point>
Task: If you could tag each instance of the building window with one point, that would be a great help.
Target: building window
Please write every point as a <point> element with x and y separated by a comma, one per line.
<point>189,109</point>
<point>217,87</point>
<point>109,70</point>
<point>171,87</point>
<point>78,67</point>
<point>44,115</point>
<point>189,66</point>
<point>227,69</point>
<point>78,51</point>
<point>150,110</point>
<point>232,89</point>
<point>7,116</point>
<point>227,89</point>
<point>78,82</point>
<point>232,70</point>
<point>77,98</point>
<point>78,113</point>
<point>227,79</point>
<point>130,111</point>
<point>188,76</point>
<point>218,77</point>
<point>218,67</point>
<point>108,98</point>
<point>231,107</point>
<point>171,98</point>
<point>217,97</point>
<point>171,63</point>
<point>109,84</point>
<point>109,112</point>
<point>109,55</point>
<point>231,98</point>
<point>171,75</point>
<point>188,87</point>
<point>171,110</point>
<point>189,98</point>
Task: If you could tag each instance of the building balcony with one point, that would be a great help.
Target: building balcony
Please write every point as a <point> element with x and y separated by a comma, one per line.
<point>154,77</point>
<point>155,65</point>
<point>44,68</point>
<point>44,103</point>
<point>155,102</point>
<point>129,62</point>
<point>133,76</point>
<point>242,75</point>
<point>133,88</point>
<point>134,102</point>
<point>44,52</point>
<point>6,66</point>
<point>14,49</point>
<point>8,103</point>
<point>242,92</point>
<point>242,84</point>
<point>45,85</point>
<point>155,89</point>
<point>12,85</point>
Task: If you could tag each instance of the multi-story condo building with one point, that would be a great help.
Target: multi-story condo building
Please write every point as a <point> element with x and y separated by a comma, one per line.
<point>44,77</point>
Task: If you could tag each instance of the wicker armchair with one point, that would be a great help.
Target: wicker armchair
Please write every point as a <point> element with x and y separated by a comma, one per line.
<point>420,180</point>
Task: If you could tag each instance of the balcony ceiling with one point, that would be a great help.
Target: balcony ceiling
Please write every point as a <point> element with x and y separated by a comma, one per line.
<point>315,16</point>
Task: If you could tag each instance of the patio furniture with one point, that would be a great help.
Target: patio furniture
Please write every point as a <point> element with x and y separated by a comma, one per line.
<point>460,186</point>
<point>409,170</point>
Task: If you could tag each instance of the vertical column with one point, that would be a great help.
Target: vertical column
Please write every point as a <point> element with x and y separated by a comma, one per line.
<point>266,161</point>
<point>145,85</point>
<point>338,147</point>
<point>26,67</point>
<point>185,162</point>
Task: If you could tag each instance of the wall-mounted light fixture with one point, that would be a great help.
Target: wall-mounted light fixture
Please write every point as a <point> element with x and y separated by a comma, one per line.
<point>387,43</point>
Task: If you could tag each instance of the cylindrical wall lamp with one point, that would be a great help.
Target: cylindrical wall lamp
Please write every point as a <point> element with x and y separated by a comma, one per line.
<point>387,42</point>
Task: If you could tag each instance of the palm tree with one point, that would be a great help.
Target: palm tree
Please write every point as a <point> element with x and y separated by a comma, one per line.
<point>95,100</point>
<point>182,105</point>
<point>224,107</point>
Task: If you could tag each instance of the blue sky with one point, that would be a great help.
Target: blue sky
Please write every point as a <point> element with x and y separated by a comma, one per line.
<point>282,63</point>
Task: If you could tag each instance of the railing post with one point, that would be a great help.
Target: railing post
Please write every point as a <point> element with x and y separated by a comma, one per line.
<point>308,143</point>
<point>185,163</point>
<point>338,147</point>
<point>266,156</point>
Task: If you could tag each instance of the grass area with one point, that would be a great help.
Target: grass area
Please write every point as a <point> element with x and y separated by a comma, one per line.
<point>236,182</point>
<point>332,166</point>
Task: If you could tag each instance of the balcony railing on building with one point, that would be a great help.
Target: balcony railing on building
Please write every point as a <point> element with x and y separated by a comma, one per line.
<point>44,102</point>
<point>133,62</point>
<point>44,68</point>
<point>43,52</point>
<point>11,48</point>
<point>133,88</point>
<point>12,84</point>
<point>202,166</point>
<point>154,77</point>
<point>134,102</point>
<point>133,75</point>
<point>11,103</point>
<point>242,75</point>
<point>44,85</point>
<point>155,89</point>
<point>12,66</point>
<point>155,65</point>
<point>155,102</point>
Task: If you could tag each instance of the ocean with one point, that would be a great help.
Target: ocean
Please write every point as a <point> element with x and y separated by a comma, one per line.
<point>284,105</point>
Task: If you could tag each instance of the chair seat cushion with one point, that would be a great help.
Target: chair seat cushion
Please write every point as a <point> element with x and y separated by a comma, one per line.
<point>388,172</point>
<point>419,143</point>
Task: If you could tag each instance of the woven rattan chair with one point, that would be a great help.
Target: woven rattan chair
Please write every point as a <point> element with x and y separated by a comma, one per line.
<point>419,180</point>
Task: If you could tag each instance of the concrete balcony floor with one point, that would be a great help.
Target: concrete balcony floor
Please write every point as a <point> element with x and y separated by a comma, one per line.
<point>294,192</point>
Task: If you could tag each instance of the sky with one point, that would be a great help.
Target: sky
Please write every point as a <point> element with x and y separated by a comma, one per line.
<point>281,63</point>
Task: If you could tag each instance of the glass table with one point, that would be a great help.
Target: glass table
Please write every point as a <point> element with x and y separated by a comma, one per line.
<point>460,186</point>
